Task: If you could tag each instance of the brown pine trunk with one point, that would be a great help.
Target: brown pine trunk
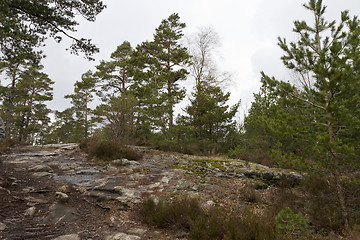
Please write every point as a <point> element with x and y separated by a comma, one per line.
<point>340,193</point>
<point>86,117</point>
<point>10,109</point>
<point>171,117</point>
<point>335,165</point>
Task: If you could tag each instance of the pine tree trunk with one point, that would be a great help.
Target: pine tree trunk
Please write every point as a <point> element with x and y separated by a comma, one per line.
<point>170,101</point>
<point>10,109</point>
<point>27,122</point>
<point>340,193</point>
<point>86,117</point>
<point>339,187</point>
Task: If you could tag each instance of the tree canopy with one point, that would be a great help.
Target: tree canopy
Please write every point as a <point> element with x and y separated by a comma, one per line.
<point>25,24</point>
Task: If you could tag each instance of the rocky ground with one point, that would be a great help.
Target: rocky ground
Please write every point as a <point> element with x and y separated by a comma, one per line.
<point>55,192</point>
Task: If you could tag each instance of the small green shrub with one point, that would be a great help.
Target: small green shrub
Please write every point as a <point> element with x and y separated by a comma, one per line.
<point>291,161</point>
<point>153,213</point>
<point>292,225</point>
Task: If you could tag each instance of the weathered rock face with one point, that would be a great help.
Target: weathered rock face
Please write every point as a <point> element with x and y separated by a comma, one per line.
<point>225,168</point>
<point>123,236</point>
<point>124,162</point>
<point>121,184</point>
<point>68,237</point>
<point>2,226</point>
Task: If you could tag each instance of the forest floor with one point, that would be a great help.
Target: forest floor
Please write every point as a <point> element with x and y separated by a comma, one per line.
<point>56,192</point>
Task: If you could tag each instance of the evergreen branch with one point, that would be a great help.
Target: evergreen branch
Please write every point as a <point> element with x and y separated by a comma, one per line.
<point>309,44</point>
<point>305,100</point>
<point>57,28</point>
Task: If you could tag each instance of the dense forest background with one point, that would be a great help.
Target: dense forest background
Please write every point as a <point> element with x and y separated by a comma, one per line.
<point>310,123</point>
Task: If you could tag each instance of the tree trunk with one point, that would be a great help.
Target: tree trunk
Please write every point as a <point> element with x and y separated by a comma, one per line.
<point>10,109</point>
<point>171,117</point>
<point>86,116</point>
<point>340,193</point>
<point>28,118</point>
<point>335,165</point>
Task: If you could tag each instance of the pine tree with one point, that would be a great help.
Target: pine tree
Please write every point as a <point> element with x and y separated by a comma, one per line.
<point>32,90</point>
<point>117,117</point>
<point>115,75</point>
<point>209,115</point>
<point>159,65</point>
<point>14,67</point>
<point>65,128</point>
<point>26,24</point>
<point>80,99</point>
<point>329,53</point>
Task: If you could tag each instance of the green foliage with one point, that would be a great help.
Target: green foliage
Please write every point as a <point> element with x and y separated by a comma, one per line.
<point>24,100</point>
<point>315,117</point>
<point>80,100</point>
<point>276,123</point>
<point>108,150</point>
<point>115,75</point>
<point>292,161</point>
<point>209,121</point>
<point>65,128</point>
<point>292,225</point>
<point>158,68</point>
<point>118,118</point>
<point>26,24</point>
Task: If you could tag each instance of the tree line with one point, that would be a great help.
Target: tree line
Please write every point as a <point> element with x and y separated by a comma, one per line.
<point>140,87</point>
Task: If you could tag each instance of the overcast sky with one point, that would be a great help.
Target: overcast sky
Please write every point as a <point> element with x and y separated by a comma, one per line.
<point>248,31</point>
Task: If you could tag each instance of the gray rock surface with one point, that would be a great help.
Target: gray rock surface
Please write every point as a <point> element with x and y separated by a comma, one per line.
<point>138,231</point>
<point>123,236</point>
<point>2,226</point>
<point>42,174</point>
<point>61,196</point>
<point>41,168</point>
<point>30,211</point>
<point>68,237</point>
<point>127,183</point>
